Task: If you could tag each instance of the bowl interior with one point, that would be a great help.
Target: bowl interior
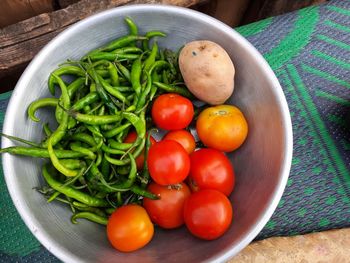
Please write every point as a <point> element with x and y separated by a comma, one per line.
<point>261,164</point>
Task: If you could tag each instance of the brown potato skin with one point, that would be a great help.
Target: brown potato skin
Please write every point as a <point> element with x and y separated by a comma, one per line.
<point>208,71</point>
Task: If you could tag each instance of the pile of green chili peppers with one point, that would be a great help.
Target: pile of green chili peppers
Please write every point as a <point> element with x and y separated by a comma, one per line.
<point>104,96</point>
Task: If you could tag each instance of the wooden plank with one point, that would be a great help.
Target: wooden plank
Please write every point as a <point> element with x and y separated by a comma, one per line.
<point>230,12</point>
<point>20,42</point>
<point>12,11</point>
<point>65,3</point>
<point>227,11</point>
<point>327,246</point>
<point>260,9</point>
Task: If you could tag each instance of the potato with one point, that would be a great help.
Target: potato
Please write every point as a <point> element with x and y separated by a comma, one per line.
<point>208,71</point>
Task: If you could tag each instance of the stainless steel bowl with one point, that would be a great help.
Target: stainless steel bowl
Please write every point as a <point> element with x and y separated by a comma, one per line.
<point>262,164</point>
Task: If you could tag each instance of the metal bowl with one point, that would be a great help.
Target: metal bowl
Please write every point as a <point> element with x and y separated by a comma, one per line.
<point>262,164</point>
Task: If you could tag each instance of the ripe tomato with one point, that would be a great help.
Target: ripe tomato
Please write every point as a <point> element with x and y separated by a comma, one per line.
<point>185,138</point>
<point>222,127</point>
<point>167,212</point>
<point>208,214</point>
<point>211,169</point>
<point>172,112</point>
<point>130,138</point>
<point>168,162</point>
<point>129,228</point>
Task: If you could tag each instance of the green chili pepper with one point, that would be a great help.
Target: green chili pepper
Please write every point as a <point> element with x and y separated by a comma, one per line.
<point>124,89</point>
<point>47,129</point>
<point>19,140</point>
<point>174,89</point>
<point>73,163</point>
<point>115,92</point>
<point>66,70</point>
<point>87,152</point>
<point>74,86</point>
<point>102,93</point>
<point>116,130</point>
<point>53,197</point>
<point>96,120</point>
<point>122,42</point>
<point>87,100</point>
<point>135,154</point>
<point>86,208</point>
<point>112,56</point>
<point>159,64</point>
<point>105,167</point>
<point>151,58</point>
<point>128,182</point>
<point>135,75</point>
<point>145,173</point>
<point>133,30</point>
<point>113,72</point>
<point>111,150</point>
<point>154,89</point>
<point>45,102</point>
<point>103,73</point>
<point>88,139</point>
<point>93,87</point>
<point>40,152</point>
<point>119,145</point>
<point>124,71</point>
<point>132,175</point>
<point>141,191</point>
<point>94,130</point>
<point>99,157</point>
<point>72,193</point>
<point>149,35</point>
<point>127,50</point>
<point>137,122</point>
<point>141,102</point>
<point>56,162</point>
<point>91,217</point>
<point>58,134</point>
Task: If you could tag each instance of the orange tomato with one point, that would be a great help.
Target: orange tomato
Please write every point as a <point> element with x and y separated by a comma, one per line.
<point>222,127</point>
<point>129,228</point>
<point>185,138</point>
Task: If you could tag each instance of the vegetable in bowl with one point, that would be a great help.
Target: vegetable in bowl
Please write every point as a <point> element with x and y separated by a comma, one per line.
<point>111,93</point>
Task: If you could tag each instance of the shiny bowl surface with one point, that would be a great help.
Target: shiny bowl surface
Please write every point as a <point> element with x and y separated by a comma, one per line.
<point>262,164</point>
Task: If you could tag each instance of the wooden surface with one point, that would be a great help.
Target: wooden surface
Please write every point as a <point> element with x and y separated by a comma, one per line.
<point>12,11</point>
<point>326,247</point>
<point>228,11</point>
<point>65,3</point>
<point>260,9</point>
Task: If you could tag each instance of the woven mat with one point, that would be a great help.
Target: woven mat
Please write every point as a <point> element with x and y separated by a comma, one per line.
<point>309,51</point>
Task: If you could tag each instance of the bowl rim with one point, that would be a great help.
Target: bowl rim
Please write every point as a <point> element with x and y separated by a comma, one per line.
<point>45,239</point>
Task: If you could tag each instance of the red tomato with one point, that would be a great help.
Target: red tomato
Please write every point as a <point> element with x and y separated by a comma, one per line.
<point>129,228</point>
<point>172,112</point>
<point>211,169</point>
<point>208,214</point>
<point>168,162</point>
<point>185,138</point>
<point>167,212</point>
<point>130,138</point>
